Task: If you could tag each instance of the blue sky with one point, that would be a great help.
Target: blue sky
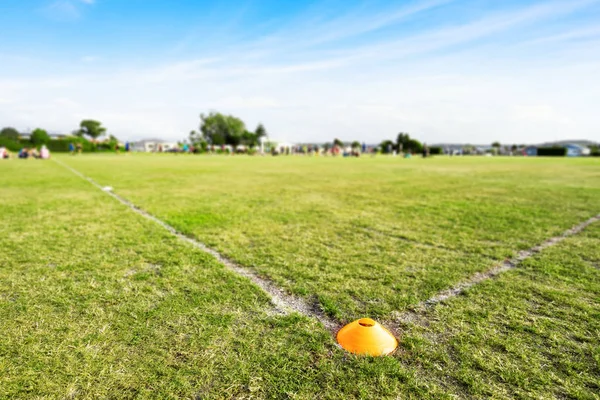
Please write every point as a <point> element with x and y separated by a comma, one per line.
<point>446,71</point>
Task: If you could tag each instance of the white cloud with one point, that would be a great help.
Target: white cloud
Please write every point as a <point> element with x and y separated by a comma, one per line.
<point>588,33</point>
<point>89,59</point>
<point>62,10</point>
<point>305,84</point>
<point>65,10</point>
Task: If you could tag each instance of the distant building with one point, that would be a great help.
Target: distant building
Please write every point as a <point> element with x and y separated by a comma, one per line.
<point>530,151</point>
<point>482,149</point>
<point>575,150</point>
<point>282,147</point>
<point>153,145</point>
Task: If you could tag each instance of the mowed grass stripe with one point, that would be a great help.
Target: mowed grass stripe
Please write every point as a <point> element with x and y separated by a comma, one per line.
<point>359,237</point>
<point>281,300</point>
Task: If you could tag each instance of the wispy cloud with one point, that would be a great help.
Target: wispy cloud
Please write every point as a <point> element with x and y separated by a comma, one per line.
<point>310,30</point>
<point>89,59</point>
<point>432,40</point>
<point>319,45</point>
<point>65,9</point>
<point>587,33</point>
<point>361,73</point>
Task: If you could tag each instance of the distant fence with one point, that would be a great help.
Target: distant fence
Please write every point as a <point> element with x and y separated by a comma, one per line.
<point>552,151</point>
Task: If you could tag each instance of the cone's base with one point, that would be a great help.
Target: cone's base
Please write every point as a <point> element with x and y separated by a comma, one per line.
<point>366,336</point>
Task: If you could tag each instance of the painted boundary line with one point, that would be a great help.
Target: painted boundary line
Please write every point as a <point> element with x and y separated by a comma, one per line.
<point>479,277</point>
<point>285,303</point>
<point>509,264</point>
<point>282,301</point>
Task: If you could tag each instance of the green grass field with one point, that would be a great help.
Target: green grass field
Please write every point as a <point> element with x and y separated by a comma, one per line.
<point>97,302</point>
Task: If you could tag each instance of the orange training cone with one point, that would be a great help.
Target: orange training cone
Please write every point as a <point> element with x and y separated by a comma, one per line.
<point>366,336</point>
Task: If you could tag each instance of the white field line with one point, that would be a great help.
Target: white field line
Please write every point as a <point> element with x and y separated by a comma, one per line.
<point>489,274</point>
<point>509,264</point>
<point>282,301</point>
<point>285,302</point>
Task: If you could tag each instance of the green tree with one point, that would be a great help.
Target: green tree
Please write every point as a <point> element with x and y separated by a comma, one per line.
<point>219,129</point>
<point>198,141</point>
<point>496,145</point>
<point>337,142</point>
<point>91,128</point>
<point>355,145</point>
<point>10,133</point>
<point>260,132</point>
<point>405,143</point>
<point>112,141</point>
<point>386,145</point>
<point>414,146</point>
<point>402,141</point>
<point>250,139</point>
<point>39,137</point>
<point>196,138</point>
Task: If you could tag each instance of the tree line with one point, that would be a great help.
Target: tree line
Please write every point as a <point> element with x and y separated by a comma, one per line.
<point>403,144</point>
<point>87,134</point>
<point>217,129</point>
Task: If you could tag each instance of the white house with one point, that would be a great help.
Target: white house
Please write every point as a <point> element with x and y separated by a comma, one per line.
<point>282,147</point>
<point>575,150</point>
<point>153,145</point>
